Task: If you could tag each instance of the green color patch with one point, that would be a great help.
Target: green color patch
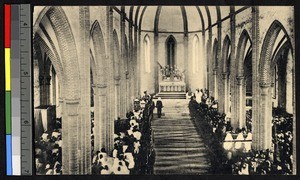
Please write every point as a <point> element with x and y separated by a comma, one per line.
<point>8,112</point>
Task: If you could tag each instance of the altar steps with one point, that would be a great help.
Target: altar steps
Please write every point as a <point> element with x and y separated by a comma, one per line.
<point>170,95</point>
<point>174,107</point>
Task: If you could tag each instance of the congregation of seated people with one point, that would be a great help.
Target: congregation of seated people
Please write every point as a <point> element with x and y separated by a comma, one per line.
<point>48,153</point>
<point>241,159</point>
<point>133,152</point>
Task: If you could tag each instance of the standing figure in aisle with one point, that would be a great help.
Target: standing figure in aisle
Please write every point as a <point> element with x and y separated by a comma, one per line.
<point>198,96</point>
<point>159,106</point>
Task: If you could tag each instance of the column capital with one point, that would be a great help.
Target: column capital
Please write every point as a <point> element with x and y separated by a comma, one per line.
<point>265,84</point>
<point>101,85</point>
<point>72,101</point>
<point>264,88</point>
<point>224,75</point>
<point>215,71</point>
<point>240,79</point>
<point>61,99</point>
<point>117,78</point>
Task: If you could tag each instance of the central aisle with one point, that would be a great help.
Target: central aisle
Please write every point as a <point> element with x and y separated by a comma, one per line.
<point>178,146</point>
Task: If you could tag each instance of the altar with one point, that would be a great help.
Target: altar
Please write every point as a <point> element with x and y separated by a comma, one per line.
<point>171,80</point>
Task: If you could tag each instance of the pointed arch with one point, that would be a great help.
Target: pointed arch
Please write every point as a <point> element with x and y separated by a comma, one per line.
<point>67,45</point>
<point>243,40</point>
<point>225,53</point>
<point>99,54</point>
<point>267,51</point>
<point>41,46</point>
<point>265,82</point>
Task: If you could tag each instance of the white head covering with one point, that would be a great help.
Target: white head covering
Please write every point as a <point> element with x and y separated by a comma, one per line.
<point>159,98</point>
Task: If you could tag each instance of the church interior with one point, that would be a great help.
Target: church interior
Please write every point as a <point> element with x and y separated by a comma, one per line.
<point>100,70</point>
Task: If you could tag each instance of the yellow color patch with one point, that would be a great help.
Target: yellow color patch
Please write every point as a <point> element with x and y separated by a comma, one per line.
<point>7,69</point>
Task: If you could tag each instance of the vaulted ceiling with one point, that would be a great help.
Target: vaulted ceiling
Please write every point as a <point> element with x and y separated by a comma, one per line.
<point>176,18</point>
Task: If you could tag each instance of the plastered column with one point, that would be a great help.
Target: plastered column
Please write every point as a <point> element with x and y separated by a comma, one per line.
<point>265,117</point>
<point>84,160</point>
<point>234,118</point>
<point>123,79</point>
<point>109,130</point>
<point>241,101</point>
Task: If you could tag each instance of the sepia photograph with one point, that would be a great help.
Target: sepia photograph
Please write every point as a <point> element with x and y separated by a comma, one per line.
<point>164,90</point>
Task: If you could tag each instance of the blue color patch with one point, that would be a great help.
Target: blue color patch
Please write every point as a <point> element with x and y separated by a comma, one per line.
<point>8,155</point>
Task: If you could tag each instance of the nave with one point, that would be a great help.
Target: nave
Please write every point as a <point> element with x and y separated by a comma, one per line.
<point>96,66</point>
<point>179,148</point>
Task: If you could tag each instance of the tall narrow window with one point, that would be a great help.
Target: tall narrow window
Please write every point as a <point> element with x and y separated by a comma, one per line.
<point>171,46</point>
<point>147,53</point>
<point>195,62</point>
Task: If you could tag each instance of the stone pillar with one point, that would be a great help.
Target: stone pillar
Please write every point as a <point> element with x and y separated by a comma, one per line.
<point>223,101</point>
<point>234,118</point>
<point>186,57</point>
<point>255,78</point>
<point>131,68</point>
<point>219,85</point>
<point>241,102</point>
<point>128,92</point>
<point>210,60</point>
<point>110,82</point>
<point>123,62</point>
<point>70,146</point>
<point>204,61</point>
<point>135,59</point>
<point>265,117</point>
<point>215,86</point>
<point>138,64</point>
<point>156,67</point>
<point>84,148</point>
<point>100,120</point>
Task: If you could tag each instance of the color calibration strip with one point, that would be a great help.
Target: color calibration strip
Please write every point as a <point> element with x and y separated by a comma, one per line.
<point>7,32</point>
<point>18,89</point>
<point>15,90</point>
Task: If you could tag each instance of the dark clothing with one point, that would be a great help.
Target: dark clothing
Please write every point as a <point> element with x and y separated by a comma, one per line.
<point>159,106</point>
<point>159,112</point>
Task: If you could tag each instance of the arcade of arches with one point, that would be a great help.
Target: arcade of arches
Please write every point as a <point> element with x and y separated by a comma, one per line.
<point>102,58</point>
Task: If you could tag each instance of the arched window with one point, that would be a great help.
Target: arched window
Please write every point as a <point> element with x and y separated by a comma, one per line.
<point>171,51</point>
<point>195,54</point>
<point>147,53</point>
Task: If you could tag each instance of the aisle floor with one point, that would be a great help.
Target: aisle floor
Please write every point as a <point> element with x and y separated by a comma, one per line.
<point>178,146</point>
